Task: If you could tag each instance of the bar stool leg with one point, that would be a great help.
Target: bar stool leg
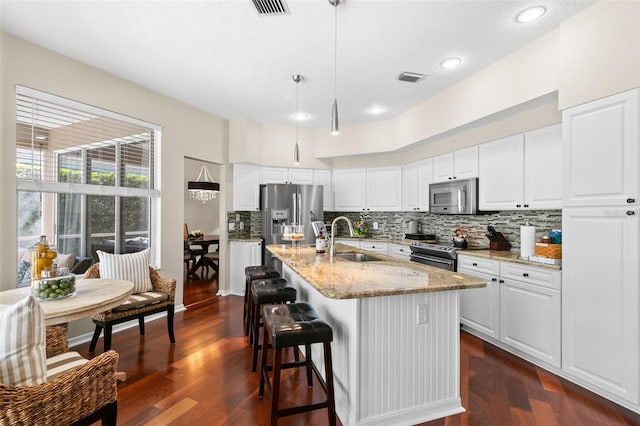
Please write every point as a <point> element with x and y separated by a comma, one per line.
<point>255,337</point>
<point>328,371</point>
<point>264,373</point>
<point>307,351</point>
<point>275,387</point>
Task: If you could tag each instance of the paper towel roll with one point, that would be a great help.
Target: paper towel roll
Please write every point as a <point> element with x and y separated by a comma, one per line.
<point>527,241</point>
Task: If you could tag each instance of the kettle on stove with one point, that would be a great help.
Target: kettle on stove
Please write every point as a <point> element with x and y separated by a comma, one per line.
<point>410,227</point>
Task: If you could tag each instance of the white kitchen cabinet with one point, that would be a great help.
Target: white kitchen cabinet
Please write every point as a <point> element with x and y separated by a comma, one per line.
<point>460,164</point>
<point>246,187</point>
<point>241,255</point>
<point>530,314</point>
<point>323,177</point>
<point>600,141</point>
<point>373,189</point>
<point>375,246</point>
<point>399,251</point>
<point>349,189</point>
<point>523,171</point>
<point>416,178</point>
<point>286,175</point>
<point>384,189</point>
<point>520,308</point>
<point>601,299</point>
<point>348,242</point>
<point>480,307</point>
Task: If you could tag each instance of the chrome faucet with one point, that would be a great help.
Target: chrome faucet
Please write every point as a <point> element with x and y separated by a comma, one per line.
<point>332,249</point>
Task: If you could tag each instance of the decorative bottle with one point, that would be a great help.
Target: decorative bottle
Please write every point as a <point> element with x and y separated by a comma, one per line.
<point>321,243</point>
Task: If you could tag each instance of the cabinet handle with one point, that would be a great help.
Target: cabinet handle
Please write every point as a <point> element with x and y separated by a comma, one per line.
<point>474,264</point>
<point>525,274</point>
<point>630,212</point>
<point>494,279</point>
<point>631,200</point>
<point>450,178</point>
<point>518,205</point>
<point>526,205</point>
<point>501,281</point>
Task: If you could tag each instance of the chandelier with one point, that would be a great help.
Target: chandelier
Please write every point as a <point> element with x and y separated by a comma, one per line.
<point>204,188</point>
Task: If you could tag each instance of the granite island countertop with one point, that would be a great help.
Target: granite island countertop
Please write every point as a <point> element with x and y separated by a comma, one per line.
<point>344,279</point>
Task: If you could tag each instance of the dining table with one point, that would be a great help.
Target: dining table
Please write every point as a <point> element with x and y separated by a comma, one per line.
<point>92,296</point>
<point>205,241</point>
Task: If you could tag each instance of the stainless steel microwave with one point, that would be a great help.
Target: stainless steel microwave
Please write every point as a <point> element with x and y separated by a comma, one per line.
<point>458,196</point>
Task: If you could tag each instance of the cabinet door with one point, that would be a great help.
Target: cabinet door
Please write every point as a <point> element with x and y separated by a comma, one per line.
<point>600,299</point>
<point>501,181</point>
<point>301,176</point>
<point>377,247</point>
<point>465,164</point>
<point>348,242</point>
<point>323,177</point>
<point>241,255</point>
<point>349,189</point>
<point>443,167</point>
<point>410,187</point>
<point>543,168</point>
<point>246,187</point>
<point>384,189</point>
<point>530,320</point>
<point>480,307</point>
<point>600,150</point>
<point>425,177</point>
<point>274,175</point>
<point>399,251</point>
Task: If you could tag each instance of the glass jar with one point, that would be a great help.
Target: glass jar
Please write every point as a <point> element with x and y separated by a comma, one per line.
<point>54,288</point>
<point>43,257</point>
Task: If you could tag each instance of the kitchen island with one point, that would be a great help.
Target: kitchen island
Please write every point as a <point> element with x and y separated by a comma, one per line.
<point>396,348</point>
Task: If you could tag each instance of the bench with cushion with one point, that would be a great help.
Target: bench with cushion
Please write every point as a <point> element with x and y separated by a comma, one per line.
<point>158,295</point>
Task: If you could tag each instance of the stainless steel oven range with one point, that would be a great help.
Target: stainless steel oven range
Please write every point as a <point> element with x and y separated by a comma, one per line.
<point>436,255</point>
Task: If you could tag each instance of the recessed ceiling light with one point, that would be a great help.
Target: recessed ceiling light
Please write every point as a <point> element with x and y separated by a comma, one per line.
<point>300,116</point>
<point>451,62</point>
<point>530,14</point>
<point>376,109</point>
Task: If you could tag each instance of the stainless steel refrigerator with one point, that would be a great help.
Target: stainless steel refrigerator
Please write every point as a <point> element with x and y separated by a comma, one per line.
<point>288,204</point>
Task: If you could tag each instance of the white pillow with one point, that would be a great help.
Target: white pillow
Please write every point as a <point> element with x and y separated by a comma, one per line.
<point>132,267</point>
<point>23,355</point>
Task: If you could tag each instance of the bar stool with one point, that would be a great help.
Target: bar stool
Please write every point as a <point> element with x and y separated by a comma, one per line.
<point>293,325</point>
<point>263,292</point>
<point>254,273</point>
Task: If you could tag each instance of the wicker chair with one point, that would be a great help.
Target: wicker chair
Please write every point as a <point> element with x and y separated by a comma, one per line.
<point>106,320</point>
<point>81,396</point>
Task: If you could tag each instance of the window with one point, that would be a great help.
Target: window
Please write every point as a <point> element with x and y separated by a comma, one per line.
<point>85,176</point>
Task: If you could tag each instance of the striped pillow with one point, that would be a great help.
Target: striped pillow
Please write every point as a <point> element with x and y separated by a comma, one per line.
<point>23,358</point>
<point>60,364</point>
<point>132,267</point>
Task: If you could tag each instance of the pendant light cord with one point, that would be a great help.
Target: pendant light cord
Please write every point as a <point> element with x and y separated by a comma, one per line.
<point>335,52</point>
<point>297,110</point>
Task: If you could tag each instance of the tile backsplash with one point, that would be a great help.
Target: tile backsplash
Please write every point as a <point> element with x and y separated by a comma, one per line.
<point>391,224</point>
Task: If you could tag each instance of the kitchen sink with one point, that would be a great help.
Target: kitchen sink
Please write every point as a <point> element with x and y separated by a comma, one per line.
<point>357,257</point>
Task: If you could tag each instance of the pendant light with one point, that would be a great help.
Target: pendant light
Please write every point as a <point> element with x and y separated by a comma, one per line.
<point>335,128</point>
<point>296,151</point>
<point>204,188</point>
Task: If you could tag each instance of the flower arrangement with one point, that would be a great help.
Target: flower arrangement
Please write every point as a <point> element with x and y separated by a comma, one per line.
<point>360,227</point>
<point>460,238</point>
<point>195,234</point>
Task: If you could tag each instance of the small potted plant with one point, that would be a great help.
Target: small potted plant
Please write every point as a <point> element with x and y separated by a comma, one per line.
<point>460,238</point>
<point>360,228</point>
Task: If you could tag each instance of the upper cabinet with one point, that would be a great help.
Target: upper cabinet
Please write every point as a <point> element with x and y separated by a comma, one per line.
<point>460,164</point>
<point>323,177</point>
<point>285,175</point>
<point>246,187</point>
<point>522,171</point>
<point>416,178</point>
<point>373,189</point>
<point>600,142</point>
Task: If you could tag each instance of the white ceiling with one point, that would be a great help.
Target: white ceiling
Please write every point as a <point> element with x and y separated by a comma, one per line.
<point>222,57</point>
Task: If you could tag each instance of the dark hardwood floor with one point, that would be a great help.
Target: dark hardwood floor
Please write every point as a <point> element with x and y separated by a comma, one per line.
<point>205,378</point>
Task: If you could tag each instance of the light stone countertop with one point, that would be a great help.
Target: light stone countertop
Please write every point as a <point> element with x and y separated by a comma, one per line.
<point>344,279</point>
<point>507,256</point>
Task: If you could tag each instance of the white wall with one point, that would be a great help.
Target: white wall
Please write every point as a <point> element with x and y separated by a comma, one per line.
<point>186,132</point>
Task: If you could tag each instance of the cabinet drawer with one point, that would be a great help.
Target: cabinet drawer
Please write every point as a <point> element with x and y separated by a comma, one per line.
<point>373,246</point>
<point>478,264</point>
<point>399,251</point>
<point>531,275</point>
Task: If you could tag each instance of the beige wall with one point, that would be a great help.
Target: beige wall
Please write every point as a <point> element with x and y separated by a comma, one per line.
<point>186,132</point>
<point>599,52</point>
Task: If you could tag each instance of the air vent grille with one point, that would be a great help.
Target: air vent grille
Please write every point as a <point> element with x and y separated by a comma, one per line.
<point>411,77</point>
<point>271,7</point>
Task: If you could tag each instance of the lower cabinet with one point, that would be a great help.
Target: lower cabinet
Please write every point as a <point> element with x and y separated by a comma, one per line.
<point>519,308</point>
<point>241,255</point>
<point>400,251</point>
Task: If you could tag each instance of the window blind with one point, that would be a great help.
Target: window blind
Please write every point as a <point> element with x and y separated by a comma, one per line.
<point>65,146</point>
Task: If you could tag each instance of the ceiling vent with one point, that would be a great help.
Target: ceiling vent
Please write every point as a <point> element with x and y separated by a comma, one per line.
<point>411,77</point>
<point>271,7</point>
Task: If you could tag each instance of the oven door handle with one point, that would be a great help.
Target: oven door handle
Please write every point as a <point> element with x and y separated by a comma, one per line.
<point>434,259</point>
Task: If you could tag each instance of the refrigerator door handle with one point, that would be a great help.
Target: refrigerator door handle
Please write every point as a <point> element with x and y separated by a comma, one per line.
<point>299,216</point>
<point>295,208</point>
